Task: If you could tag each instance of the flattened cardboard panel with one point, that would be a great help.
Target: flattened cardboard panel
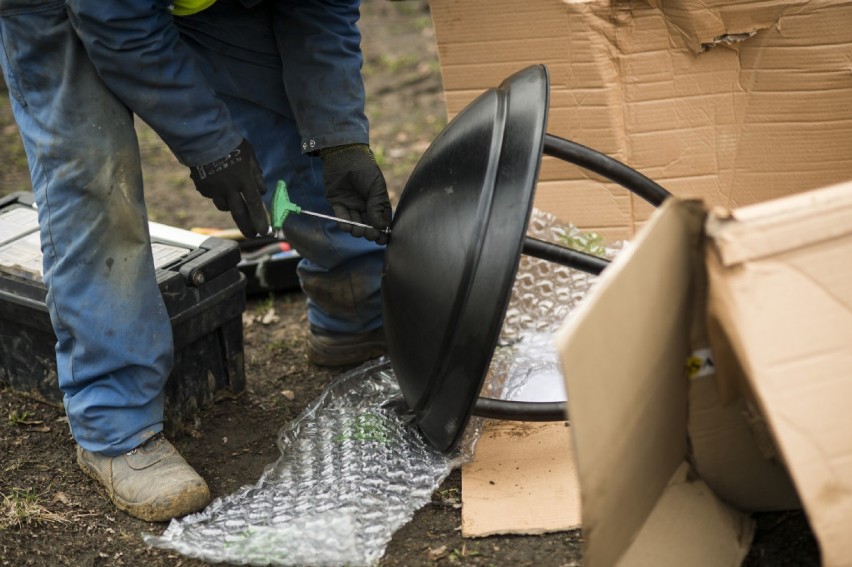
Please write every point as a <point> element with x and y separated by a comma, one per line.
<point>522,480</point>
<point>690,526</point>
<point>623,354</point>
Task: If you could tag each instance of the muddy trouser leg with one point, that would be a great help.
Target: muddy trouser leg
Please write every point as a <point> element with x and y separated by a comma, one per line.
<point>340,274</point>
<point>114,341</point>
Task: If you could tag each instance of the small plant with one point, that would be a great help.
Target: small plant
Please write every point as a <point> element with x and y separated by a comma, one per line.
<point>449,493</point>
<point>21,417</point>
<point>456,555</point>
<point>588,242</point>
<point>448,497</point>
<point>366,427</point>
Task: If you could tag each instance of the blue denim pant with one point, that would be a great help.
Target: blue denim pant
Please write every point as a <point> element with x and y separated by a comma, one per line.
<point>114,346</point>
<point>114,342</point>
<point>243,54</point>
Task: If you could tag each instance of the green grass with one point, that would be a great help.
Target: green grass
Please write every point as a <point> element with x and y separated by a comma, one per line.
<point>422,22</point>
<point>263,307</point>
<point>457,555</point>
<point>283,346</point>
<point>20,417</point>
<point>396,63</point>
<point>14,171</point>
<point>23,507</point>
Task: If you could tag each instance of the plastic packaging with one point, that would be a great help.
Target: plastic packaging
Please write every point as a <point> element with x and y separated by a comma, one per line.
<point>351,472</point>
<point>353,469</point>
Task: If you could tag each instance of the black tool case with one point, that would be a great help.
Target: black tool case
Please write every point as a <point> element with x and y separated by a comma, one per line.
<point>204,293</point>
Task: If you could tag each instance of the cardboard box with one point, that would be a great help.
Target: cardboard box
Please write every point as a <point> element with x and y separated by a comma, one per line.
<point>731,101</point>
<point>713,358</point>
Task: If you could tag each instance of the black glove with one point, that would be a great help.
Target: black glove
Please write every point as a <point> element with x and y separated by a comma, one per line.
<point>356,190</point>
<point>235,183</point>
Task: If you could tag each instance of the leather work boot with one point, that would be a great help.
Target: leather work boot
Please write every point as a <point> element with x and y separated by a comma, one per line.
<point>152,482</point>
<point>327,348</point>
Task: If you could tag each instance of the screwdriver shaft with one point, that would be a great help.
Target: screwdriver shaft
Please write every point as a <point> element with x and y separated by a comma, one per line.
<point>353,223</point>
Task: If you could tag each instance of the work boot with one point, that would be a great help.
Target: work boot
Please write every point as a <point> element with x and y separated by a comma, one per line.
<point>152,482</point>
<point>327,348</point>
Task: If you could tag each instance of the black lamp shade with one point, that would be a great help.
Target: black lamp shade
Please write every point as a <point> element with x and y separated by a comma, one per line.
<point>457,238</point>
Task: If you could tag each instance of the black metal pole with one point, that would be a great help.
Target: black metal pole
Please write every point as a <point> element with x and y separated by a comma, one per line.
<point>606,166</point>
<point>564,256</point>
<point>520,411</point>
<point>613,170</point>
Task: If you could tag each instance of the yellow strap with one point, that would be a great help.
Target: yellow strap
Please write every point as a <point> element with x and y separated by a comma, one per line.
<point>189,7</point>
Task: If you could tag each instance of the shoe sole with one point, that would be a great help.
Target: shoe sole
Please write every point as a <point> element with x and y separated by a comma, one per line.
<point>334,355</point>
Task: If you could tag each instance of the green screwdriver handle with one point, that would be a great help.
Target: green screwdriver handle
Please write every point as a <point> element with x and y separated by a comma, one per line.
<point>282,207</point>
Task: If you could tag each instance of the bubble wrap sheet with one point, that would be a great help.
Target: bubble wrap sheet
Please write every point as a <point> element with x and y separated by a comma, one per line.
<point>353,469</point>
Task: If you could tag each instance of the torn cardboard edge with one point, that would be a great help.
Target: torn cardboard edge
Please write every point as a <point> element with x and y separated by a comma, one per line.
<point>763,230</point>
<point>703,25</point>
<point>761,114</point>
<point>780,319</point>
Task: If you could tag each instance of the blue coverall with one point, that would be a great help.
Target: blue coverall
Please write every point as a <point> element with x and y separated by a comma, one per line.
<point>280,68</point>
<point>77,71</point>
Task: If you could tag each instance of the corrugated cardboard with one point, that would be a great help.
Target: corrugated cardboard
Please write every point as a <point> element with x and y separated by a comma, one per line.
<point>671,449</point>
<point>623,355</point>
<point>522,480</point>
<point>731,101</point>
<point>732,450</point>
<point>781,287</point>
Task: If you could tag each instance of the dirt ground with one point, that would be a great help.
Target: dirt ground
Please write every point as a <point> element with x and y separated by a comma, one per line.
<point>51,514</point>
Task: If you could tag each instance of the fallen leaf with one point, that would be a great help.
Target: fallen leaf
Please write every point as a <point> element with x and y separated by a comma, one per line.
<point>270,317</point>
<point>62,498</point>
<point>437,552</point>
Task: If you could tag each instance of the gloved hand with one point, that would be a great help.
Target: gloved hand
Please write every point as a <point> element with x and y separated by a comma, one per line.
<point>235,183</point>
<point>356,190</point>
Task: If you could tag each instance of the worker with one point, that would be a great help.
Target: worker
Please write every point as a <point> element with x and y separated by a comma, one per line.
<point>77,71</point>
<point>289,72</point>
